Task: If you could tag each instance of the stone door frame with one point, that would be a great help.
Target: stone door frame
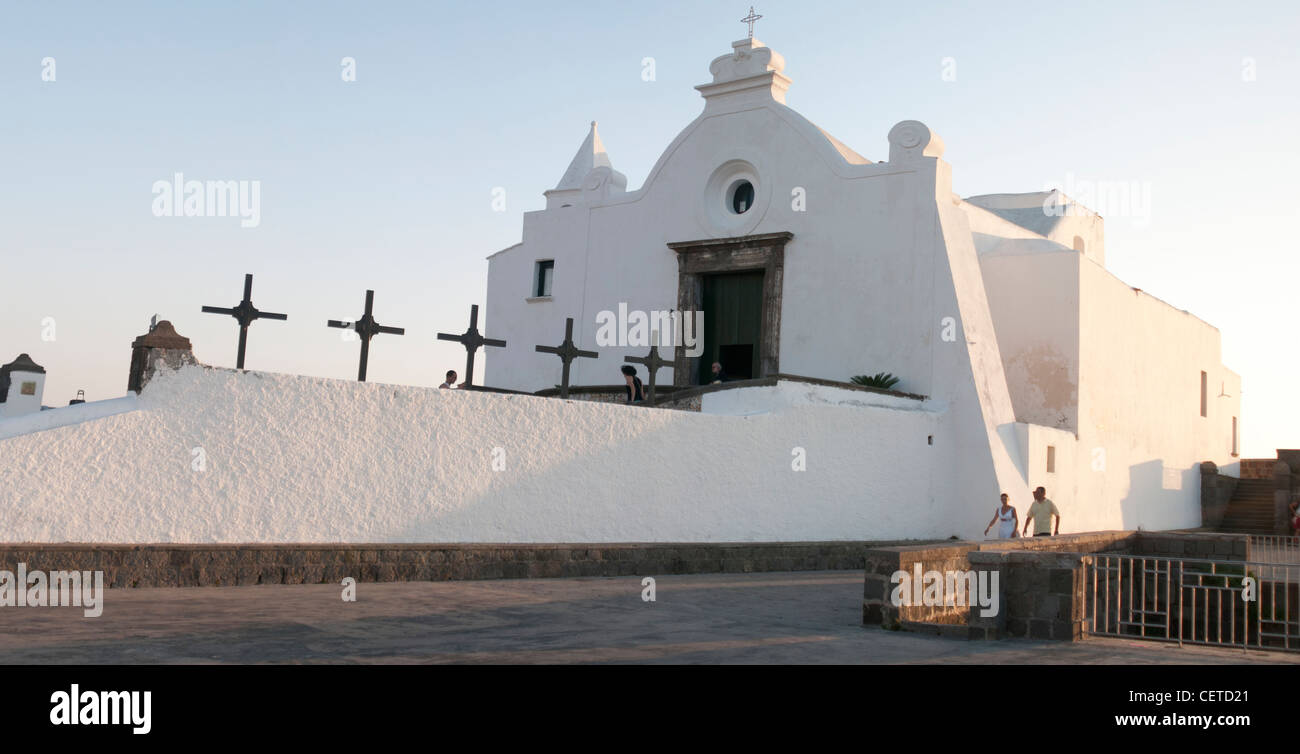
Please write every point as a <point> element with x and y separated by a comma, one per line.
<point>711,256</point>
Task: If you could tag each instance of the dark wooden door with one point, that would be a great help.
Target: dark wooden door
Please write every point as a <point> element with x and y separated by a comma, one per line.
<point>733,320</point>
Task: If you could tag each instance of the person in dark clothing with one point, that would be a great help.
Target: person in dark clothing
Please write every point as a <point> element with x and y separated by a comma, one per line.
<point>718,374</point>
<point>633,384</point>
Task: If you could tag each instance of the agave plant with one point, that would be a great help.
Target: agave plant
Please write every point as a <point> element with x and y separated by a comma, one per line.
<point>883,380</point>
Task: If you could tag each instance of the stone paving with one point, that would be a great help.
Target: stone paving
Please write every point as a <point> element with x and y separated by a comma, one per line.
<point>802,617</point>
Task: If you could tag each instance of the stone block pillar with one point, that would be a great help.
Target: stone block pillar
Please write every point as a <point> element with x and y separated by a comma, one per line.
<point>161,347</point>
<point>1044,594</point>
<point>1212,506</point>
<point>877,608</point>
<point>990,626</point>
<point>1281,497</point>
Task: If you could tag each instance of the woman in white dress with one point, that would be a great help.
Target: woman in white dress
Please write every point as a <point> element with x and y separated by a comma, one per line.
<point>1006,518</point>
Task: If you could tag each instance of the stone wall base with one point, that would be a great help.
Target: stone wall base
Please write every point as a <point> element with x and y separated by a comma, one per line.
<point>240,565</point>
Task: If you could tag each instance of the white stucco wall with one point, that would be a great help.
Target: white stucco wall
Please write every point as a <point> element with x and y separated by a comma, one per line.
<point>298,459</point>
<point>1139,404</point>
<point>287,459</point>
<point>65,415</point>
<point>1078,512</point>
<point>988,456</point>
<point>1110,377</point>
<point>989,230</point>
<point>1047,214</point>
<point>1034,300</point>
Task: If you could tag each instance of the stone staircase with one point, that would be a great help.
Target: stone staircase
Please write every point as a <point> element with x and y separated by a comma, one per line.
<point>1251,509</point>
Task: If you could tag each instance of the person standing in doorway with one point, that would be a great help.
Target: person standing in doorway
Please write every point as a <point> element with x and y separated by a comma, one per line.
<point>1040,513</point>
<point>450,384</point>
<point>1006,518</point>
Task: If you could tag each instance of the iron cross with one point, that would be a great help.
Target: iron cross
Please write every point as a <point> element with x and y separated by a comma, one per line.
<point>750,19</point>
<point>367,328</point>
<point>245,314</point>
<point>567,353</point>
<point>472,340</point>
<point>653,363</point>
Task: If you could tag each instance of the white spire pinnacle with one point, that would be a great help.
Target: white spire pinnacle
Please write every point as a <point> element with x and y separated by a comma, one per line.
<point>591,155</point>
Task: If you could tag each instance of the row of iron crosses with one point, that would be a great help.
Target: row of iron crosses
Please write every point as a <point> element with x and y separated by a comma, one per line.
<point>366,328</point>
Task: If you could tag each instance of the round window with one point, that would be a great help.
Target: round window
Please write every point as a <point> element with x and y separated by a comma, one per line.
<point>734,199</point>
<point>741,197</point>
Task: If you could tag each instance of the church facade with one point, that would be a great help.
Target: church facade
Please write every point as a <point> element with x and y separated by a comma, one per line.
<point>806,258</point>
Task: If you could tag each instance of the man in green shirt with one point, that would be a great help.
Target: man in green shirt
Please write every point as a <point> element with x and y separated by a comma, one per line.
<point>1040,513</point>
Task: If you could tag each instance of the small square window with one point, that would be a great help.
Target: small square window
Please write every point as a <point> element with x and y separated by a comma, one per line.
<point>28,388</point>
<point>1051,459</point>
<point>543,275</point>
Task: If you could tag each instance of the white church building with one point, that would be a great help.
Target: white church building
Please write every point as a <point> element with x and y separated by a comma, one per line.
<point>1037,365</point>
<point>1023,362</point>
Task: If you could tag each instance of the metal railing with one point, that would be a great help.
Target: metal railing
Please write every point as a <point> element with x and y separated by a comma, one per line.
<point>1192,601</point>
<point>1267,548</point>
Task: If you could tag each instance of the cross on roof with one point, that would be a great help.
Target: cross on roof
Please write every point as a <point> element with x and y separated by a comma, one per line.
<point>367,328</point>
<point>567,352</point>
<point>472,340</point>
<point>244,313</point>
<point>750,19</point>
<point>653,363</point>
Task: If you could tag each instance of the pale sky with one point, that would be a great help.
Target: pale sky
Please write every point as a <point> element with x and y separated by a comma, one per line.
<point>387,182</point>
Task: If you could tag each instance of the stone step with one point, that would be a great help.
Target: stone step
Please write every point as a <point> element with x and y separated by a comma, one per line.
<point>945,630</point>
